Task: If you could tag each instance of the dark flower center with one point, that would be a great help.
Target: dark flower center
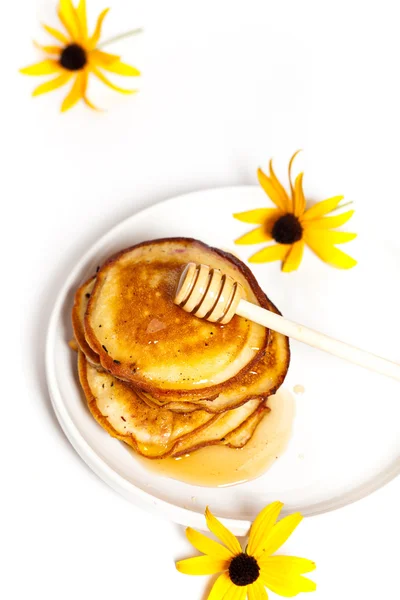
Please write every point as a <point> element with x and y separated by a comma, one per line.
<point>287,229</point>
<point>243,569</point>
<point>73,57</point>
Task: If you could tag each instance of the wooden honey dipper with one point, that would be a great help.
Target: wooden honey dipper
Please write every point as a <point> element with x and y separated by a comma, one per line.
<point>208,293</point>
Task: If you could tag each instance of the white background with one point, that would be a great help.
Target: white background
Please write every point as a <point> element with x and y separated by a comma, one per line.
<point>225,86</point>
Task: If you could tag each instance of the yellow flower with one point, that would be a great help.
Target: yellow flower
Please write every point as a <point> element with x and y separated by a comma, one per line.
<point>249,572</point>
<point>292,226</point>
<point>76,56</point>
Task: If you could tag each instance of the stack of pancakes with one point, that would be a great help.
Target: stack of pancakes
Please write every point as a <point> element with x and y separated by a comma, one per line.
<point>158,378</point>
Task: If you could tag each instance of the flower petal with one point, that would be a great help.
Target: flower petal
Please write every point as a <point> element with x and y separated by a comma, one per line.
<point>51,85</point>
<point>289,565</point>
<point>90,104</point>
<point>45,67</point>
<point>121,68</point>
<point>85,77</point>
<point>203,544</point>
<point>222,533</point>
<point>322,208</point>
<point>294,257</point>
<point>287,586</point>
<point>256,591</point>
<point>270,253</point>
<point>109,83</point>
<point>333,237</point>
<point>256,236</point>
<point>273,193</point>
<point>101,59</point>
<point>328,253</point>
<point>263,524</point>
<point>201,565</point>
<point>329,222</point>
<point>221,587</point>
<point>258,215</point>
<point>278,535</point>
<point>112,63</point>
<point>299,201</point>
<point>56,34</point>
<point>279,187</point>
<point>69,18</point>
<point>49,49</point>
<point>290,170</point>
<point>97,32</point>
<point>282,575</point>
<point>82,18</point>
<point>236,593</point>
<point>77,92</point>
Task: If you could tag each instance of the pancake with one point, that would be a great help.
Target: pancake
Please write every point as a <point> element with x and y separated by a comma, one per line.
<point>143,338</point>
<point>224,424</point>
<point>262,381</point>
<point>155,432</point>
<point>243,434</point>
<point>78,313</point>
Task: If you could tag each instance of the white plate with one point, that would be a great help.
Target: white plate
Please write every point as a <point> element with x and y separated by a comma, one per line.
<point>346,435</point>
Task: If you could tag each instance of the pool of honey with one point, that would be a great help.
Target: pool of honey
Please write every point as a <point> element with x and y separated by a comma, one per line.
<point>218,466</point>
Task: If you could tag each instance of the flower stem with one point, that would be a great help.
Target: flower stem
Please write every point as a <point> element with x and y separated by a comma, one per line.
<point>119,37</point>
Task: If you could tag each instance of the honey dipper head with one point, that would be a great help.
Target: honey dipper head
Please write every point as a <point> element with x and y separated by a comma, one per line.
<point>208,293</point>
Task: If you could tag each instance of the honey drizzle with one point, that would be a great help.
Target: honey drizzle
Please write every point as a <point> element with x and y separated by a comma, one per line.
<point>220,466</point>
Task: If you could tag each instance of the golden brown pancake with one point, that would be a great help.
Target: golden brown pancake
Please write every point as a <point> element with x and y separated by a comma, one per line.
<point>159,379</point>
<point>78,313</point>
<point>242,434</point>
<point>263,380</point>
<point>142,337</point>
<point>155,432</point>
<point>224,424</point>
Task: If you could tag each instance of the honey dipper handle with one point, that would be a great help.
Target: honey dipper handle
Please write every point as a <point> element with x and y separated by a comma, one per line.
<point>317,340</point>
